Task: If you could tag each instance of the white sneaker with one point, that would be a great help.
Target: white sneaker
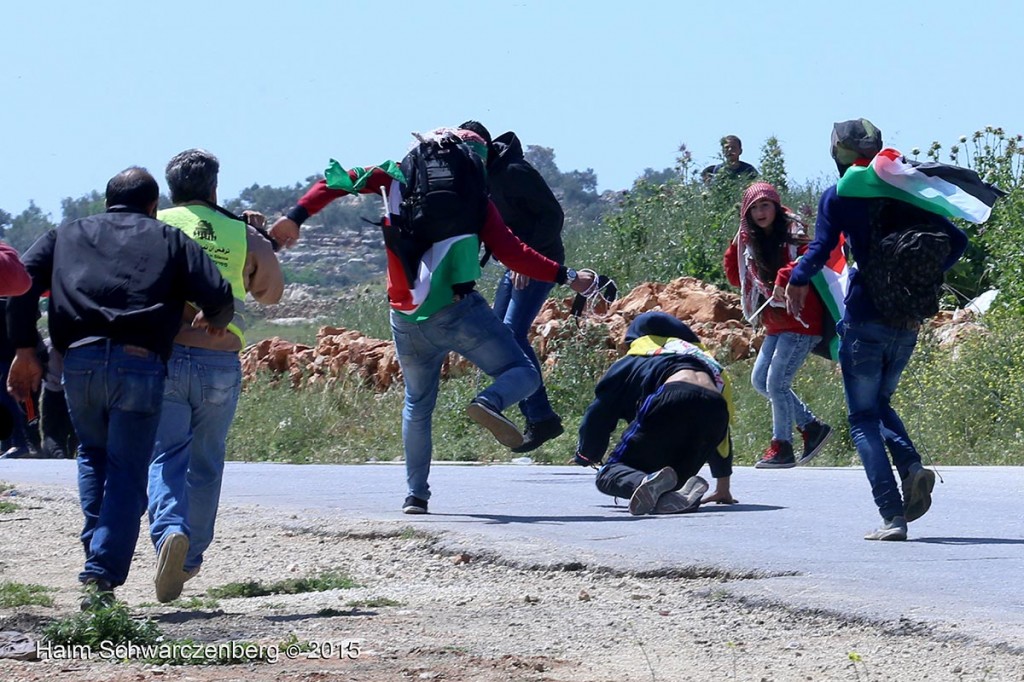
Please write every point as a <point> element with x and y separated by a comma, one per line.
<point>686,499</point>
<point>646,495</point>
<point>892,529</point>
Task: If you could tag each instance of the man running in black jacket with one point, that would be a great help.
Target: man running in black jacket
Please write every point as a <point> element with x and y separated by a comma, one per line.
<point>118,285</point>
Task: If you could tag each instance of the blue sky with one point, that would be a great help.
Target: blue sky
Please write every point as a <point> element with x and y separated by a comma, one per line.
<point>275,89</point>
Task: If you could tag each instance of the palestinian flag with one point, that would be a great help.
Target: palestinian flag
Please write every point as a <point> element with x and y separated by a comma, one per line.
<point>949,191</point>
<point>831,283</point>
<point>419,279</point>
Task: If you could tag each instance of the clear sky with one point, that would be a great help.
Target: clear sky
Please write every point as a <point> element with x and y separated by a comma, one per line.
<point>277,88</point>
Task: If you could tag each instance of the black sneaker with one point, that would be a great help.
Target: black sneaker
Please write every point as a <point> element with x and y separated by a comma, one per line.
<point>414,505</point>
<point>99,594</point>
<point>816,436</point>
<point>503,430</point>
<point>538,433</point>
<point>779,455</point>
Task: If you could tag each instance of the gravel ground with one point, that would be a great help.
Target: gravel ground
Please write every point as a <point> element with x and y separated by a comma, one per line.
<point>426,610</point>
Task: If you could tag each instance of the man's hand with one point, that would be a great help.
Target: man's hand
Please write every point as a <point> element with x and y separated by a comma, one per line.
<point>285,232</point>
<point>584,281</point>
<point>795,297</point>
<point>519,280</point>
<point>254,218</point>
<point>25,375</point>
<point>200,322</point>
<point>721,494</point>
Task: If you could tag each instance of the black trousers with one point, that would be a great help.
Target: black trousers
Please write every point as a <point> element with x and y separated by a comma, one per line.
<point>680,426</point>
<point>59,439</point>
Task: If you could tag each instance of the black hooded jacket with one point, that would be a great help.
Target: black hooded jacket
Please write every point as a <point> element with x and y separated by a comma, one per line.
<point>526,203</point>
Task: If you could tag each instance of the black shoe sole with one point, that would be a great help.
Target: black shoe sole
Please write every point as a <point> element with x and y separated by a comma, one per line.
<point>504,431</point>
<point>919,497</point>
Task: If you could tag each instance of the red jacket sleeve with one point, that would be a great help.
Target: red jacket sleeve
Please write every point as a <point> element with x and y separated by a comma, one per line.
<point>513,253</point>
<point>14,278</point>
<point>731,264</point>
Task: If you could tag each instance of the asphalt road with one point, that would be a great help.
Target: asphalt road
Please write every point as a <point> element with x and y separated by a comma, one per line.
<point>795,537</point>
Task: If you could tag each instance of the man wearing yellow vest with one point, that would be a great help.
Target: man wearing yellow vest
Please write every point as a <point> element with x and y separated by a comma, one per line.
<point>204,374</point>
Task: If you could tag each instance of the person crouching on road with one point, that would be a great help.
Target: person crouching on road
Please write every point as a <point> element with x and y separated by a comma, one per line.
<point>678,405</point>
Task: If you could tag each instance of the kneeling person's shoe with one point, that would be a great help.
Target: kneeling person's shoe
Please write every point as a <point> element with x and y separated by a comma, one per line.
<point>487,416</point>
<point>170,567</point>
<point>414,505</point>
<point>891,529</point>
<point>646,495</point>
<point>538,433</point>
<point>917,493</point>
<point>685,500</point>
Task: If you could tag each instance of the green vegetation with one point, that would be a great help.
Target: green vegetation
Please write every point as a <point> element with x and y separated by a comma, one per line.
<point>374,603</point>
<point>7,507</point>
<point>113,624</point>
<point>13,595</point>
<point>330,580</point>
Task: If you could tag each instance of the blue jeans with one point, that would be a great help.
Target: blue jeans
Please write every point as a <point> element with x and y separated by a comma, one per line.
<point>468,327</point>
<point>873,356</point>
<point>188,459</point>
<point>777,363</point>
<point>114,394</point>
<point>517,308</point>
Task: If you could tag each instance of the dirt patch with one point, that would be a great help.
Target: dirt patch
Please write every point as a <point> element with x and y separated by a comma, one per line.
<point>423,611</point>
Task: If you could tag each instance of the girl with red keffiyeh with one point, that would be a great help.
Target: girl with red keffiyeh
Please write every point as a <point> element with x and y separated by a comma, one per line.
<point>759,261</point>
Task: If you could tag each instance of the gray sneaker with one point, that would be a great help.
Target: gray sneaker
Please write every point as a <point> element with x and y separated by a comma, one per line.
<point>646,495</point>
<point>891,529</point>
<point>686,500</point>
<point>170,567</point>
<point>503,430</point>
<point>917,493</point>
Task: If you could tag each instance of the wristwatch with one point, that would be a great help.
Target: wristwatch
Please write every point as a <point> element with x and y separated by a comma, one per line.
<point>570,276</point>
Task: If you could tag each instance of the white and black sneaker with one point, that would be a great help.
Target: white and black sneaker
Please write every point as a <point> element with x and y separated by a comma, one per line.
<point>503,430</point>
<point>687,499</point>
<point>646,495</point>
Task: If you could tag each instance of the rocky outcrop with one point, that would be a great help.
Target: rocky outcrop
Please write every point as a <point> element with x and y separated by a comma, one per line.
<point>713,314</point>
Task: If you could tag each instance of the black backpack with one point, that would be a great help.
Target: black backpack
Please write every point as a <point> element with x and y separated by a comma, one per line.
<point>905,273</point>
<point>445,192</point>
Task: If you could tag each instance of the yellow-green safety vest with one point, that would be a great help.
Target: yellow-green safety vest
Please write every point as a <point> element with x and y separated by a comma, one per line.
<point>224,241</point>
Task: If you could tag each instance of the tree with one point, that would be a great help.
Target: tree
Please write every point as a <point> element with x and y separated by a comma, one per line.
<point>85,205</point>
<point>28,226</point>
<point>773,164</point>
<point>5,221</point>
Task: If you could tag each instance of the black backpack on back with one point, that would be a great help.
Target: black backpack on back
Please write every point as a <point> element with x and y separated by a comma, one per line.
<point>904,274</point>
<point>445,192</point>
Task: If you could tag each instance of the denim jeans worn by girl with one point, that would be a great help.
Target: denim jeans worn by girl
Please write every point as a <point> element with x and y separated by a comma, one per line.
<point>777,363</point>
